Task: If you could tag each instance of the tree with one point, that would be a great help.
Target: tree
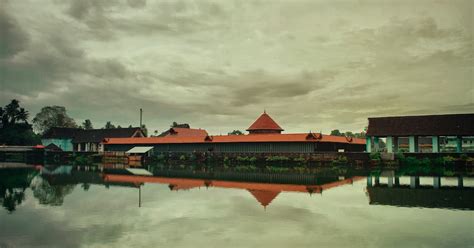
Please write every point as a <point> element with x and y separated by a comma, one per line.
<point>336,132</point>
<point>52,116</point>
<point>144,130</point>
<point>349,134</point>
<point>183,125</point>
<point>14,126</point>
<point>87,124</point>
<point>109,125</point>
<point>236,132</point>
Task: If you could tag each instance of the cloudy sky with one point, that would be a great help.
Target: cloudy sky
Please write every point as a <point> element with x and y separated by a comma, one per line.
<point>313,65</point>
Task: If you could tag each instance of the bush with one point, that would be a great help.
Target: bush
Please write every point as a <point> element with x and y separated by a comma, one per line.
<point>341,160</point>
<point>375,156</point>
<point>464,157</point>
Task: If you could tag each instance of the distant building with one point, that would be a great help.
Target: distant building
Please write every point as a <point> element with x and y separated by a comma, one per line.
<point>453,132</point>
<point>264,137</point>
<point>184,132</point>
<point>75,139</point>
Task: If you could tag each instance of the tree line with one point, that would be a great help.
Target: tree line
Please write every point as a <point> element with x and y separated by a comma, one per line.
<point>16,130</point>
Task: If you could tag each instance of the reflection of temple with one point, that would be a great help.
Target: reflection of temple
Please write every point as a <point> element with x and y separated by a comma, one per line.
<point>415,195</point>
<point>264,193</point>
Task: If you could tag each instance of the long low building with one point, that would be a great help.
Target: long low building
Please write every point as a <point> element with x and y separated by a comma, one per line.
<point>264,137</point>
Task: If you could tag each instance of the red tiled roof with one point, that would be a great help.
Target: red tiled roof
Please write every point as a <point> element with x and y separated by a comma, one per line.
<point>296,137</point>
<point>253,187</point>
<point>183,132</point>
<point>265,197</point>
<point>265,122</point>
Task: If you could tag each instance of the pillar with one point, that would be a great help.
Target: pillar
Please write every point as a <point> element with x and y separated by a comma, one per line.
<point>397,181</point>
<point>460,181</point>
<point>435,144</point>
<point>414,182</point>
<point>459,144</point>
<point>395,144</point>
<point>413,143</point>
<point>436,182</point>
<point>389,144</point>
<point>369,181</point>
<point>368,144</point>
<point>390,182</point>
<point>376,144</point>
<point>377,181</point>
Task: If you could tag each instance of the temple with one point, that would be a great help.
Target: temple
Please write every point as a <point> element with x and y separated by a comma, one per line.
<point>265,136</point>
<point>264,125</point>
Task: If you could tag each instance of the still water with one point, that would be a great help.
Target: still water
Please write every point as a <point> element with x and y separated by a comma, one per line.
<point>70,207</point>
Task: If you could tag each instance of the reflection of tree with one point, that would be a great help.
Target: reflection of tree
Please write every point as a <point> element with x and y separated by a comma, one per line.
<point>86,186</point>
<point>10,198</point>
<point>13,183</point>
<point>50,194</point>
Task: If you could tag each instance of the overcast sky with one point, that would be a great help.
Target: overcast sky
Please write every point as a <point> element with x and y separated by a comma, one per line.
<point>313,65</point>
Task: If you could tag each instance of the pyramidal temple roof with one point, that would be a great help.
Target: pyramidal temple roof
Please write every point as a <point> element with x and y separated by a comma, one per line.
<point>264,196</point>
<point>265,122</point>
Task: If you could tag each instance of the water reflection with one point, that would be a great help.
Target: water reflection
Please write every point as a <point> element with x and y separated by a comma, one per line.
<point>413,194</point>
<point>51,185</point>
<point>98,207</point>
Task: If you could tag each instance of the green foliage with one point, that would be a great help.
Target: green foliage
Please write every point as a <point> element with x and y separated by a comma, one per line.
<point>246,168</point>
<point>87,125</point>
<point>277,159</point>
<point>160,157</point>
<point>336,132</point>
<point>277,169</point>
<point>226,160</point>
<point>246,159</point>
<point>236,132</point>
<point>182,157</point>
<point>375,156</point>
<point>14,126</point>
<point>340,161</point>
<point>399,156</point>
<point>82,160</point>
<point>109,125</point>
<point>464,157</point>
<point>52,116</point>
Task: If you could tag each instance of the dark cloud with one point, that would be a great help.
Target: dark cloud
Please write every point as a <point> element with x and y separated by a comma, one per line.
<point>13,39</point>
<point>218,64</point>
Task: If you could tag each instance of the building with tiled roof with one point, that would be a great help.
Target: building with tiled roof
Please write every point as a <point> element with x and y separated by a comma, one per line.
<point>88,140</point>
<point>264,125</point>
<point>184,132</point>
<point>264,137</point>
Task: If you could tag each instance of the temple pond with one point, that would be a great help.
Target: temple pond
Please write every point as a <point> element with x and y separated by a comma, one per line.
<point>66,206</point>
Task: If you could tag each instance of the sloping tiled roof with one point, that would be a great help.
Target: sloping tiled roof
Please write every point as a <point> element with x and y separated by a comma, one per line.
<point>297,137</point>
<point>449,125</point>
<point>92,135</point>
<point>98,135</point>
<point>264,122</point>
<point>265,197</point>
<point>184,132</point>
<point>61,133</point>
